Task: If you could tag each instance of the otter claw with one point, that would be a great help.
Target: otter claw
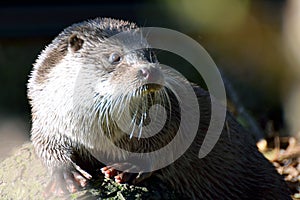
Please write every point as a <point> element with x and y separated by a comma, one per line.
<point>109,171</point>
<point>124,176</point>
<point>80,179</point>
<point>65,182</point>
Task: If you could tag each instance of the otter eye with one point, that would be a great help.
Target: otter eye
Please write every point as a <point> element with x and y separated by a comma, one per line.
<point>115,58</point>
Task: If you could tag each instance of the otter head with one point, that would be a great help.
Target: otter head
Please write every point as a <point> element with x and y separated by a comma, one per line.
<point>93,70</point>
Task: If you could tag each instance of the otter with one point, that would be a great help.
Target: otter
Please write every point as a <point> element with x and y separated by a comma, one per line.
<point>82,83</point>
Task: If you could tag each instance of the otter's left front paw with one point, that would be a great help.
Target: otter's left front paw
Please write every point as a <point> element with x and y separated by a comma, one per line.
<point>65,181</point>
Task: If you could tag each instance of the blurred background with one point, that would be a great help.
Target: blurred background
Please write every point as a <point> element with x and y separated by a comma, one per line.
<point>255,43</point>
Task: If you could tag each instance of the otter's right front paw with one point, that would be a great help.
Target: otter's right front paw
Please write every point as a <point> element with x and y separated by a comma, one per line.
<point>124,176</point>
<point>65,181</point>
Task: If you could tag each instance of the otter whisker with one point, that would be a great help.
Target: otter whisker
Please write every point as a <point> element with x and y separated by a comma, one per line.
<point>165,97</point>
<point>133,128</point>
<point>134,122</point>
<point>172,84</point>
<point>106,115</point>
<point>121,103</point>
<point>141,126</point>
<point>144,110</point>
<point>135,109</point>
<point>123,114</point>
<point>133,119</point>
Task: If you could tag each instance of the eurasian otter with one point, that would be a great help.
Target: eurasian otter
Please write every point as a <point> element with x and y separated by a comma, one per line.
<point>85,80</point>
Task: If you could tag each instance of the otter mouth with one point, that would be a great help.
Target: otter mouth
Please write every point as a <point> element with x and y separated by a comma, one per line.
<point>150,88</point>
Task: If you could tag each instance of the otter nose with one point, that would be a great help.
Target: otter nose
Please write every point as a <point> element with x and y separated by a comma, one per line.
<point>151,75</point>
<point>145,73</point>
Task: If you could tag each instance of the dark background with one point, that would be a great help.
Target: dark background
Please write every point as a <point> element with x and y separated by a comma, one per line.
<point>244,38</point>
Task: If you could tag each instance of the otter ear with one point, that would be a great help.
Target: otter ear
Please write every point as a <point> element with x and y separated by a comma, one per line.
<point>75,43</point>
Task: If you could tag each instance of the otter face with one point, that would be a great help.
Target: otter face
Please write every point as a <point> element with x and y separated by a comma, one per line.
<point>133,80</point>
<point>122,62</point>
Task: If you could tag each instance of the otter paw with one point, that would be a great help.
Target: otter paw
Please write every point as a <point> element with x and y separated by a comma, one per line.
<point>124,176</point>
<point>66,181</point>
